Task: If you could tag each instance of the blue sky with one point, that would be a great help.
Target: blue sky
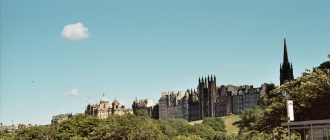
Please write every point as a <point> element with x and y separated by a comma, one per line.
<point>138,49</point>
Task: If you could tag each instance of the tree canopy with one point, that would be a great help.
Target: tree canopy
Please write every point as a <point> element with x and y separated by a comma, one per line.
<point>310,95</point>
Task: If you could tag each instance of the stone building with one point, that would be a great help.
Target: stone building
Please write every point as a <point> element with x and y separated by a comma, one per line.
<point>174,105</point>
<point>59,118</point>
<point>103,109</point>
<point>151,107</point>
<point>212,101</point>
<point>8,128</point>
<point>209,100</point>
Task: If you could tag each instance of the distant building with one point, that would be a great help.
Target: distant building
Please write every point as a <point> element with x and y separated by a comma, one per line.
<point>209,100</point>
<point>103,110</point>
<point>59,118</point>
<point>8,128</point>
<point>212,101</point>
<point>151,107</point>
<point>173,105</point>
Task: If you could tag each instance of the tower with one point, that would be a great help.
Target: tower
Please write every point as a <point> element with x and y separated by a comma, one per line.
<point>115,105</point>
<point>286,71</point>
<point>212,90</point>
<point>202,93</point>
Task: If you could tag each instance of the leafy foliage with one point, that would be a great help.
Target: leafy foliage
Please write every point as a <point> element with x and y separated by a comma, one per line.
<point>252,116</point>
<point>127,126</point>
<point>216,123</point>
<point>203,130</point>
<point>325,65</point>
<point>310,94</point>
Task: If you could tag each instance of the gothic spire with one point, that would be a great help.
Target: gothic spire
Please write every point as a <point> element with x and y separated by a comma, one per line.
<point>285,56</point>
<point>286,71</point>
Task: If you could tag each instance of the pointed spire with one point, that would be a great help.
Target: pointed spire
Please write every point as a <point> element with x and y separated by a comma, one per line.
<point>211,77</point>
<point>215,78</point>
<point>285,57</point>
<point>199,79</point>
<point>208,78</point>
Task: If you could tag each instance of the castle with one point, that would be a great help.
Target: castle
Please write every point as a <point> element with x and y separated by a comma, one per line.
<point>62,117</point>
<point>211,100</point>
<point>103,109</point>
<point>149,105</point>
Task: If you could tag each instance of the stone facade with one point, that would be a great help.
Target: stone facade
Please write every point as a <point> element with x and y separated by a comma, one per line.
<point>151,107</point>
<point>103,109</point>
<point>209,100</point>
<point>59,118</point>
<point>173,105</point>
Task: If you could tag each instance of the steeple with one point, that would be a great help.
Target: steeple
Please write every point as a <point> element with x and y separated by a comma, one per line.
<point>285,56</point>
<point>286,70</point>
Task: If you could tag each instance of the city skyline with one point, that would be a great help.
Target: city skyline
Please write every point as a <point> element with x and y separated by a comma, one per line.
<point>56,57</point>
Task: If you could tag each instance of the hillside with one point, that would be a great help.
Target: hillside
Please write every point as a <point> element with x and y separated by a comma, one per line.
<point>232,123</point>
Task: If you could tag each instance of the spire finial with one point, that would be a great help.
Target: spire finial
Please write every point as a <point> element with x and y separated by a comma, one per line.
<point>285,57</point>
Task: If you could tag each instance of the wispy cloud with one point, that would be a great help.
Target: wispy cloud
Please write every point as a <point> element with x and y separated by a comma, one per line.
<point>73,92</point>
<point>75,32</point>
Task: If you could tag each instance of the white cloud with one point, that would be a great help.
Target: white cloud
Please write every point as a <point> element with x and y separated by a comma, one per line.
<point>75,32</point>
<point>73,92</point>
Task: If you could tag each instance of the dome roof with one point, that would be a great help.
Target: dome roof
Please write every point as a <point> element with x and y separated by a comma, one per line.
<point>104,99</point>
<point>115,102</point>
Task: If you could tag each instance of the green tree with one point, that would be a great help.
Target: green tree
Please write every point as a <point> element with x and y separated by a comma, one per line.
<point>223,136</point>
<point>141,112</point>
<point>252,116</point>
<point>79,126</point>
<point>269,87</point>
<point>188,137</point>
<point>216,123</point>
<point>324,65</point>
<point>182,126</point>
<point>202,130</point>
<point>167,129</point>
<point>31,133</point>
<point>310,94</point>
<point>127,126</point>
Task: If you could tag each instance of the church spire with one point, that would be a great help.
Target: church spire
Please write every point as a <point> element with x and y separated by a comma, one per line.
<point>286,70</point>
<point>285,56</point>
